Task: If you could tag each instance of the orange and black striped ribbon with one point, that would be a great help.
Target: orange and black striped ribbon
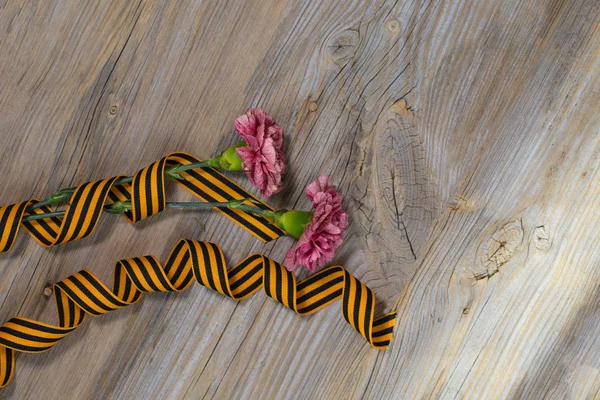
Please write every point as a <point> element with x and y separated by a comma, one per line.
<point>82,293</point>
<point>147,195</point>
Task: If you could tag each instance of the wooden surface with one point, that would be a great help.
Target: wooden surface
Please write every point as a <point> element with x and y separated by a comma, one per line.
<point>464,136</point>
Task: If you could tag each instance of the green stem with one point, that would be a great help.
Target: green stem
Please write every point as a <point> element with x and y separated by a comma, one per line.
<point>43,216</point>
<point>172,172</point>
<point>255,210</point>
<point>121,207</point>
<point>233,204</point>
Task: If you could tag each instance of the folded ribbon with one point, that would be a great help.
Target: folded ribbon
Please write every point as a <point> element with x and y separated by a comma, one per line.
<point>147,195</point>
<point>82,293</point>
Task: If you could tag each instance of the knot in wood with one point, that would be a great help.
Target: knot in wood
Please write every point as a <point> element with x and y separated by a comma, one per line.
<point>541,238</point>
<point>499,249</point>
<point>343,46</point>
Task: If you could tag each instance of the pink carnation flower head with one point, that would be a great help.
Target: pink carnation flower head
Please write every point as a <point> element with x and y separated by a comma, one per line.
<point>262,158</point>
<point>323,235</point>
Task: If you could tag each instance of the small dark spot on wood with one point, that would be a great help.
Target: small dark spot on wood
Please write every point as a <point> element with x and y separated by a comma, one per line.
<point>466,310</point>
<point>113,110</point>
<point>393,25</point>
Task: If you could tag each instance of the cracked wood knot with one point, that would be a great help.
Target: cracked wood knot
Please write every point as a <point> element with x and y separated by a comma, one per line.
<point>499,249</point>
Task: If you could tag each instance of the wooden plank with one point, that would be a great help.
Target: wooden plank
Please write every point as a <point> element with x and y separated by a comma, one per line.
<point>464,136</point>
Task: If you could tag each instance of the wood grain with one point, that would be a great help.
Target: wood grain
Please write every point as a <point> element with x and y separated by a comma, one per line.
<point>463,134</point>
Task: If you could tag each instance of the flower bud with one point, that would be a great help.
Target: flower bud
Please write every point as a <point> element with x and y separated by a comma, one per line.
<point>293,222</point>
<point>229,160</point>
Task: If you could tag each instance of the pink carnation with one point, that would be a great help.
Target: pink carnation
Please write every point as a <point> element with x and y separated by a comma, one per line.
<point>262,159</point>
<point>323,235</point>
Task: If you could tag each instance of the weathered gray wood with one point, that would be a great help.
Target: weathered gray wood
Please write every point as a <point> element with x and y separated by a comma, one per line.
<point>464,136</point>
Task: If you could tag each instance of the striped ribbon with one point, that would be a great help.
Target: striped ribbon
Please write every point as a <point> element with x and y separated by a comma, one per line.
<point>147,195</point>
<point>83,293</point>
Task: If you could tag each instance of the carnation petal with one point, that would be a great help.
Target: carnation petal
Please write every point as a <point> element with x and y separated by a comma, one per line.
<point>262,158</point>
<point>323,235</point>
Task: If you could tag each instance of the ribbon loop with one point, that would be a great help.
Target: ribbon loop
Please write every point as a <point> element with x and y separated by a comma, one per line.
<point>80,219</point>
<point>148,188</point>
<point>10,221</point>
